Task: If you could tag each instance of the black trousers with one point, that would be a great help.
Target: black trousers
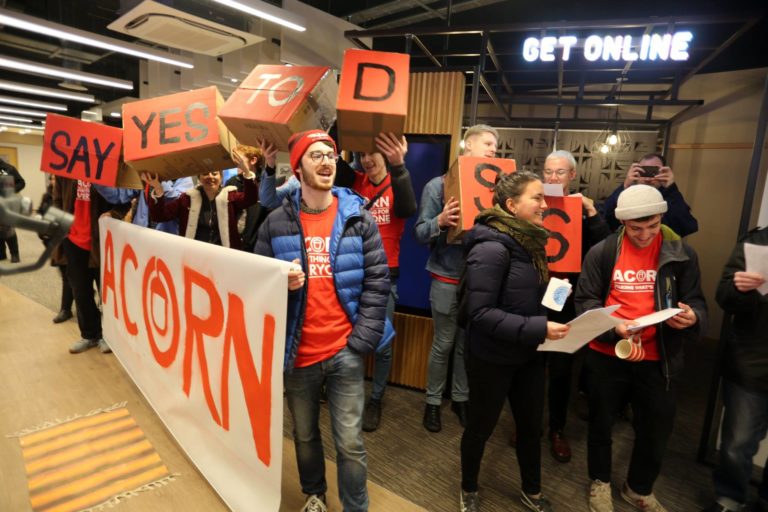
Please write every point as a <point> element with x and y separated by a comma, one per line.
<point>490,385</point>
<point>66,291</point>
<point>81,279</point>
<point>13,246</point>
<point>653,407</point>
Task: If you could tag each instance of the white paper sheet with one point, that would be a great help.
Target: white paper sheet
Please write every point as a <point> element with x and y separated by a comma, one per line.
<point>553,190</point>
<point>584,328</point>
<point>654,318</point>
<point>756,260</point>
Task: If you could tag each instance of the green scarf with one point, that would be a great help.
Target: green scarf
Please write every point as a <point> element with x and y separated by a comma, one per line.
<point>532,237</point>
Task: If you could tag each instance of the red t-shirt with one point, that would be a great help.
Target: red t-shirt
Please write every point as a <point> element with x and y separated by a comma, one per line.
<point>632,287</point>
<point>383,211</point>
<point>80,232</point>
<point>326,325</point>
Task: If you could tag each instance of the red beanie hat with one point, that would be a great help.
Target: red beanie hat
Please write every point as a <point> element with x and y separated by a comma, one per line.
<point>299,142</point>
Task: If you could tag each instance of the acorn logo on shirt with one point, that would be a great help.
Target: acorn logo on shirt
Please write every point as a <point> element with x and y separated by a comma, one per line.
<point>380,210</point>
<point>318,256</point>
<point>634,281</point>
<point>83,190</point>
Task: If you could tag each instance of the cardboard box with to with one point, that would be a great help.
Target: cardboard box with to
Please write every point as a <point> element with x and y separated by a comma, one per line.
<point>373,97</point>
<point>470,180</point>
<point>274,102</point>
<point>177,135</point>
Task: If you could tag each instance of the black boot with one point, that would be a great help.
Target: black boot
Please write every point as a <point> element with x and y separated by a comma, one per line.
<point>460,408</point>
<point>371,415</point>
<point>432,418</point>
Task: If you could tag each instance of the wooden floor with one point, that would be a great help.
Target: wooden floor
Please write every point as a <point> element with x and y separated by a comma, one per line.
<point>41,381</point>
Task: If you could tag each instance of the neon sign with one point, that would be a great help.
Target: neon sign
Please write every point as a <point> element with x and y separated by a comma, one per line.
<point>622,48</point>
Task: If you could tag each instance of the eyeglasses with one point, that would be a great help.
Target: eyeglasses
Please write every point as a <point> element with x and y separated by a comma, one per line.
<point>317,157</point>
<point>561,173</point>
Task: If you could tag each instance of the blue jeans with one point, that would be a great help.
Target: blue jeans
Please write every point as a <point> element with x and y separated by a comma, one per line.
<point>448,338</point>
<point>343,375</point>
<point>744,425</point>
<point>382,360</point>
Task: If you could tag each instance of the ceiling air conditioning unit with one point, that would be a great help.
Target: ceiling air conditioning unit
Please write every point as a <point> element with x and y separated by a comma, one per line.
<point>163,25</point>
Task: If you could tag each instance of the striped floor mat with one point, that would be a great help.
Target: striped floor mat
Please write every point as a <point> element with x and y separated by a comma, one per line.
<point>90,461</point>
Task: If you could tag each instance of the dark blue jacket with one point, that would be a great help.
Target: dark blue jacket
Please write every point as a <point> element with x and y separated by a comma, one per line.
<point>359,264</point>
<point>506,319</point>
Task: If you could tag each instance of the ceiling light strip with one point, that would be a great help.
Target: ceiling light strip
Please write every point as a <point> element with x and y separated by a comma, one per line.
<point>26,66</point>
<point>47,28</point>
<point>15,119</point>
<point>22,111</point>
<point>46,91</point>
<point>268,12</point>
<point>18,125</point>
<point>31,103</point>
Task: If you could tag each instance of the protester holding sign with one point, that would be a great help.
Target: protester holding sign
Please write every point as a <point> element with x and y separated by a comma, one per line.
<point>745,380</point>
<point>81,249</point>
<point>560,169</point>
<point>643,268</point>
<point>652,169</point>
<point>505,277</point>
<point>436,216</point>
<point>336,314</point>
<point>207,212</point>
<point>386,186</point>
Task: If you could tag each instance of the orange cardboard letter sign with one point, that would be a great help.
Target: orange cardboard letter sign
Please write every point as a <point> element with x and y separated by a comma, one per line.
<point>80,150</point>
<point>470,180</point>
<point>373,97</point>
<point>563,219</point>
<point>274,102</point>
<point>177,135</point>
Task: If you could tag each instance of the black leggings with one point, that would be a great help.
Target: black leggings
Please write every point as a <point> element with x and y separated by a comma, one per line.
<point>489,386</point>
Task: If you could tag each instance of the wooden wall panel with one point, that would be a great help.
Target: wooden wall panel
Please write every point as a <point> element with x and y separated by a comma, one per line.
<point>410,351</point>
<point>436,105</point>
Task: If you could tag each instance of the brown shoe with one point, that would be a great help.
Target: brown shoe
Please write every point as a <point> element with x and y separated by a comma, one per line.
<point>559,447</point>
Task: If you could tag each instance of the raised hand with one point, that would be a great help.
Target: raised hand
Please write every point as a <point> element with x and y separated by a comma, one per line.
<point>393,148</point>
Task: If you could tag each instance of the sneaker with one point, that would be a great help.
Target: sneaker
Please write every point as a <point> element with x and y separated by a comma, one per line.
<point>460,408</point>
<point>540,504</point>
<point>371,415</point>
<point>469,501</point>
<point>103,347</point>
<point>315,503</point>
<point>62,316</point>
<point>82,345</point>
<point>600,499</point>
<point>559,447</point>
<point>432,418</point>
<point>15,259</point>
<point>647,503</point>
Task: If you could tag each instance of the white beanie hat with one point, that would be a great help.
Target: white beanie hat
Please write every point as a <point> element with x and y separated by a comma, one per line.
<point>639,201</point>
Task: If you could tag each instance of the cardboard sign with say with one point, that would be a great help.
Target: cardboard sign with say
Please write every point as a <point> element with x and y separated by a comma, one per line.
<point>80,150</point>
<point>563,219</point>
<point>373,97</point>
<point>470,180</point>
<point>274,102</point>
<point>177,135</point>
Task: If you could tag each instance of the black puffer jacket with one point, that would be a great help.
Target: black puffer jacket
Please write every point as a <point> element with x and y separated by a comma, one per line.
<point>746,352</point>
<point>506,319</point>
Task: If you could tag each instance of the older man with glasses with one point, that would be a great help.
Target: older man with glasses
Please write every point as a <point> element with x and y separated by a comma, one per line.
<point>560,169</point>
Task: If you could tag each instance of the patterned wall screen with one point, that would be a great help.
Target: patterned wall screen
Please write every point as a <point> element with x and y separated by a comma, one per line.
<point>598,174</point>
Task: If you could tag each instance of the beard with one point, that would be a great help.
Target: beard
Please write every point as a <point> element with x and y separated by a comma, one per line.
<point>313,181</point>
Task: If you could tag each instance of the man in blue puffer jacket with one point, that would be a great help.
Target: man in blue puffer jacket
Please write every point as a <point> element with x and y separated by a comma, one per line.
<point>336,314</point>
